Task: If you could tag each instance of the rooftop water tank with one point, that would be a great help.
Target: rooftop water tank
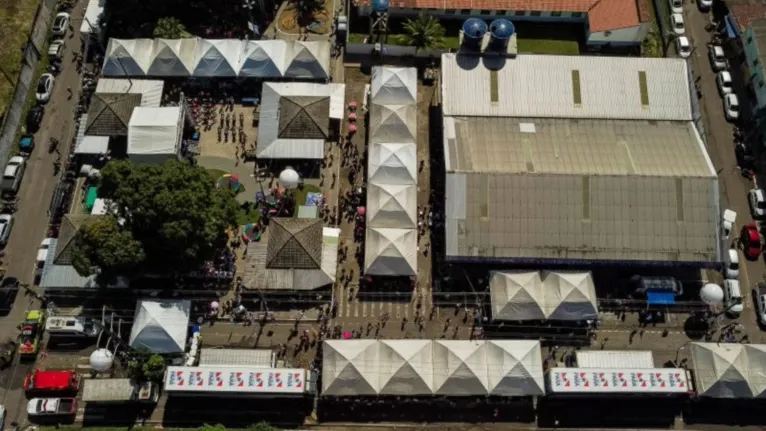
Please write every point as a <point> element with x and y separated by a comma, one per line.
<point>380,5</point>
<point>500,31</point>
<point>474,30</point>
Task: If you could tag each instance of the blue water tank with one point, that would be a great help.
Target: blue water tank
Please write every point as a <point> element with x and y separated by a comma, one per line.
<point>500,31</point>
<point>380,5</point>
<point>474,30</point>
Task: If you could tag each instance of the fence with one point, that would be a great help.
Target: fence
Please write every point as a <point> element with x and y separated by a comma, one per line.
<point>368,49</point>
<point>32,54</point>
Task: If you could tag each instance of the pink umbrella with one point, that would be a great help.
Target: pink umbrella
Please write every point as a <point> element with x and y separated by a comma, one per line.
<point>352,104</point>
<point>346,335</point>
<point>352,128</point>
<point>352,117</point>
<point>360,211</point>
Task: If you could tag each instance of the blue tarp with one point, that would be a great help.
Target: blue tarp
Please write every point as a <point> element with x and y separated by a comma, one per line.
<point>731,27</point>
<point>661,298</point>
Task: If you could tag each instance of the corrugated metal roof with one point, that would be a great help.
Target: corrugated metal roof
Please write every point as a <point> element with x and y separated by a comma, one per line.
<point>150,90</point>
<point>259,358</point>
<point>542,86</point>
<point>615,359</point>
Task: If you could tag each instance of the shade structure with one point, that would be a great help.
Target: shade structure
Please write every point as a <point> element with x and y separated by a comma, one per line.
<point>405,367</point>
<point>160,326</point>
<point>264,59</point>
<point>514,368</point>
<point>173,57</point>
<point>393,123</point>
<point>350,368</point>
<point>517,296</point>
<point>570,295</point>
<point>308,60</point>
<point>728,370</point>
<point>394,85</point>
<point>393,164</point>
<point>127,57</point>
<point>460,368</point>
<point>154,134</point>
<point>218,57</point>
<point>391,251</point>
<point>392,206</point>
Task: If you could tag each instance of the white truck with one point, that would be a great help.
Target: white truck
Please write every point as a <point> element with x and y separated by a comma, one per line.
<point>115,391</point>
<point>52,406</point>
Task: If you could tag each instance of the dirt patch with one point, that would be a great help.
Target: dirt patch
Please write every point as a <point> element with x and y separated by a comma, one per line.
<point>291,22</point>
<point>17,18</point>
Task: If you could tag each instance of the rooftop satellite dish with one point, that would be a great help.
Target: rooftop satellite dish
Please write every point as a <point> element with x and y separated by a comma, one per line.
<point>712,294</point>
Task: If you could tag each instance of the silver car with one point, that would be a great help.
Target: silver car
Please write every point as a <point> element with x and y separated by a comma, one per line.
<point>6,225</point>
<point>44,88</point>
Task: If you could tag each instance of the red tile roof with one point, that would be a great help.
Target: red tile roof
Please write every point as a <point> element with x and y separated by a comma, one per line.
<point>744,14</point>
<point>602,14</point>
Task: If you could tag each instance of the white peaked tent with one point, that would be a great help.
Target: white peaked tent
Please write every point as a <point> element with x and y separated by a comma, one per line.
<point>394,85</point>
<point>127,57</point>
<point>217,57</point>
<point>393,164</point>
<point>517,296</point>
<point>406,367</point>
<point>393,123</point>
<point>515,368</point>
<point>154,134</point>
<point>173,57</point>
<point>727,370</point>
<point>392,206</point>
<point>570,296</point>
<point>161,326</point>
<point>264,59</point>
<point>460,368</point>
<point>391,251</point>
<point>350,367</point>
<point>308,60</point>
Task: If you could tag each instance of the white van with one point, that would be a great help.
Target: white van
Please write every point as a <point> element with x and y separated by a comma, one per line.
<point>731,269</point>
<point>733,297</point>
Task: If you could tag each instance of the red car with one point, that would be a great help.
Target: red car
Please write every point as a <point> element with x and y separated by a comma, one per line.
<point>751,241</point>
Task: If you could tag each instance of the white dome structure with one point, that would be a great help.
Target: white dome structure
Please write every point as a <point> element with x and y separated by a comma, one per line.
<point>711,294</point>
<point>101,360</point>
<point>289,178</point>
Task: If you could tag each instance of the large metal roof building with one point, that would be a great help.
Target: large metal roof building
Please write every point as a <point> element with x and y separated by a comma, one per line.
<point>588,160</point>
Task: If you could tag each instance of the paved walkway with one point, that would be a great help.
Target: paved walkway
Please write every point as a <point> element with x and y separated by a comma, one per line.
<point>243,170</point>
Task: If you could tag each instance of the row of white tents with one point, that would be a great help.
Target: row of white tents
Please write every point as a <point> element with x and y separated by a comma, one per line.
<point>217,58</point>
<point>729,370</point>
<point>391,239</point>
<point>531,295</point>
<point>432,367</point>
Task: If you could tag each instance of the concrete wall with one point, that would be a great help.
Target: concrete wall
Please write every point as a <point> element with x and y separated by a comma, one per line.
<point>623,36</point>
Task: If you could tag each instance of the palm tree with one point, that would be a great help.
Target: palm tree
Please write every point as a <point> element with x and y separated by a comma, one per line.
<point>423,32</point>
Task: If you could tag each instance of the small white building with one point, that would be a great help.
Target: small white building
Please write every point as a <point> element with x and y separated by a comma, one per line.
<point>154,134</point>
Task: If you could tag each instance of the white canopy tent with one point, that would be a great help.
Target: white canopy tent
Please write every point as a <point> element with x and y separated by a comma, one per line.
<point>350,367</point>
<point>570,295</point>
<point>154,134</point>
<point>173,57</point>
<point>728,370</point>
<point>393,123</point>
<point>264,59</point>
<point>218,57</point>
<point>393,164</point>
<point>405,367</point>
<point>391,251</point>
<point>308,60</point>
<point>392,206</point>
<point>515,368</point>
<point>394,85</point>
<point>161,326</point>
<point>127,57</point>
<point>525,295</point>
<point>92,18</point>
<point>460,368</point>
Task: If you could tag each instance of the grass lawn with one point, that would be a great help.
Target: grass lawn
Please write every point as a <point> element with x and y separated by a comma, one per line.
<point>549,46</point>
<point>300,195</point>
<point>17,18</point>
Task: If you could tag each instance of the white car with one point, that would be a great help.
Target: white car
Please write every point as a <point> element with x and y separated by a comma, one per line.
<point>683,47</point>
<point>45,87</point>
<point>731,270</point>
<point>757,200</point>
<point>60,24</point>
<point>705,5</point>
<point>760,302</point>
<point>6,225</point>
<point>677,22</point>
<point>56,49</point>
<point>12,175</point>
<point>731,107</point>
<point>677,6</point>
<point>717,57</point>
<point>42,256</point>
<point>723,81</point>
<point>733,297</point>
<point>2,417</point>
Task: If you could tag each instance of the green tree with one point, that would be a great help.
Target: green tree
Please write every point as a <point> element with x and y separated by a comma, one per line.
<point>169,28</point>
<point>154,368</point>
<point>103,247</point>
<point>423,32</point>
<point>174,211</point>
<point>263,426</point>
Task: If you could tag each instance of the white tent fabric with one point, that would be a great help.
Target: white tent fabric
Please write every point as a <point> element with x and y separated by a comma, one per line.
<point>218,57</point>
<point>154,133</point>
<point>92,18</point>
<point>432,367</point>
<point>570,295</point>
<point>394,85</point>
<point>173,57</point>
<point>127,57</point>
<point>392,206</point>
<point>161,326</point>
<point>308,60</point>
<point>728,370</point>
<point>554,296</point>
<point>393,164</point>
<point>391,251</point>
<point>264,59</point>
<point>393,123</point>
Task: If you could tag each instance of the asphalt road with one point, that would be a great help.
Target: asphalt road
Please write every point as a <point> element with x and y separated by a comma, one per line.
<point>31,220</point>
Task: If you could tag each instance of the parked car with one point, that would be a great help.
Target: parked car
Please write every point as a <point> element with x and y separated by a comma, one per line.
<point>45,87</point>
<point>723,82</point>
<point>31,333</point>
<point>757,200</point>
<point>729,218</point>
<point>731,268</point>
<point>705,5</point>
<point>676,6</point>
<point>6,225</point>
<point>731,107</point>
<point>27,144</point>
<point>34,118</point>
<point>42,256</point>
<point>717,58</point>
<point>52,406</point>
<point>751,241</point>
<point>683,47</point>
<point>55,49</point>
<point>12,175</point>
<point>732,297</point>
<point>2,417</point>
<point>60,24</point>
<point>760,302</point>
<point>677,23</point>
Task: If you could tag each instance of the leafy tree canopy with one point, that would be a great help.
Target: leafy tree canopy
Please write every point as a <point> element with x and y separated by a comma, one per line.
<point>423,32</point>
<point>169,28</point>
<point>169,218</point>
<point>154,368</point>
